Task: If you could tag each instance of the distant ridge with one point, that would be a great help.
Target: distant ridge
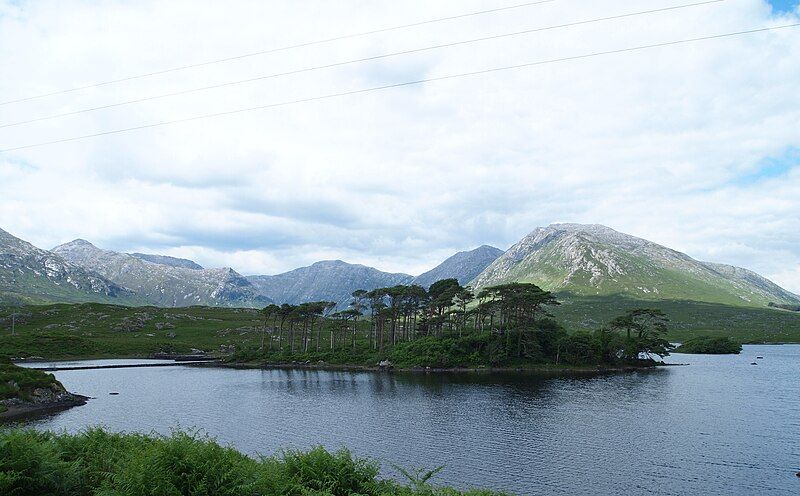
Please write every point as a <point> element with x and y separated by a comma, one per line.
<point>162,284</point>
<point>32,275</point>
<point>464,266</point>
<point>170,261</point>
<point>328,280</point>
<point>584,260</point>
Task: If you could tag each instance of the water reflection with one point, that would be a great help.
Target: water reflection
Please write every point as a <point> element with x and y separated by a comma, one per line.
<point>719,426</point>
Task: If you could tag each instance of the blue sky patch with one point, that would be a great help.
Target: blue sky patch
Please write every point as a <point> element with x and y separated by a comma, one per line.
<point>771,167</point>
<point>783,5</point>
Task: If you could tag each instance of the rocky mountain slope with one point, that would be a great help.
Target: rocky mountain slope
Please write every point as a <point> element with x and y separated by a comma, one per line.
<point>167,260</point>
<point>329,280</point>
<point>464,266</point>
<point>164,285</point>
<point>32,275</point>
<point>590,260</point>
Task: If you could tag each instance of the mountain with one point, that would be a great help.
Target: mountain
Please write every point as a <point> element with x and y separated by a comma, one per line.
<point>464,266</point>
<point>167,260</point>
<point>590,260</point>
<point>32,275</point>
<point>164,285</point>
<point>329,280</point>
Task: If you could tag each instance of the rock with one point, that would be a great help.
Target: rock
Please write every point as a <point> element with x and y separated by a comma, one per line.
<point>171,334</point>
<point>385,364</point>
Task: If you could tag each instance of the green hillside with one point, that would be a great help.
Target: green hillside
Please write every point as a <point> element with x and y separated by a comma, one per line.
<point>687,318</point>
<point>101,330</point>
<point>592,260</point>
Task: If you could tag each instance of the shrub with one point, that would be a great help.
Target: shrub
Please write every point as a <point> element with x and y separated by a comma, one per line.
<point>710,345</point>
<point>96,462</point>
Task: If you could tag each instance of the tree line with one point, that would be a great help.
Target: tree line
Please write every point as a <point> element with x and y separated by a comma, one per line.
<point>503,324</point>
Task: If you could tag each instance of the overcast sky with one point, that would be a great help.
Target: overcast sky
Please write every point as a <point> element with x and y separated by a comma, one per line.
<point>693,146</point>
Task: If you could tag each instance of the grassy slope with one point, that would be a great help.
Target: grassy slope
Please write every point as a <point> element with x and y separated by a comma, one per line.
<point>639,281</point>
<point>100,330</point>
<point>29,289</point>
<point>687,318</point>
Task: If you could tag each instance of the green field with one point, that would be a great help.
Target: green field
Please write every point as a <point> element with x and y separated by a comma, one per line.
<point>94,330</point>
<point>687,318</point>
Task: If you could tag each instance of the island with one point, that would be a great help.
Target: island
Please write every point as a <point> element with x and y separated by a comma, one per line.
<point>710,345</point>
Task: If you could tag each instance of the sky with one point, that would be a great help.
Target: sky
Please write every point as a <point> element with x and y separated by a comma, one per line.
<point>694,146</point>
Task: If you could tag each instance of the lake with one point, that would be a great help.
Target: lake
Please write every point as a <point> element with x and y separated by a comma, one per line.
<point>719,426</point>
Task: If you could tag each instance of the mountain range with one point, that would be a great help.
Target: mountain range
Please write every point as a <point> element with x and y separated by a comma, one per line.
<point>164,281</point>
<point>577,259</point>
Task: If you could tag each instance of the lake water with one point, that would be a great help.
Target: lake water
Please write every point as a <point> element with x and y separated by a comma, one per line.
<point>719,426</point>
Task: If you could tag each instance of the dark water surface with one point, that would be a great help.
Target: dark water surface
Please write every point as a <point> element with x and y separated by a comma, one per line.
<point>717,427</point>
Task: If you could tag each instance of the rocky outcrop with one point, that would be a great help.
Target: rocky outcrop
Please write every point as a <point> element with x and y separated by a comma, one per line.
<point>40,400</point>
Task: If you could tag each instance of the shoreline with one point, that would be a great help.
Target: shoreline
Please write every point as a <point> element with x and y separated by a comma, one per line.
<point>28,409</point>
<point>549,370</point>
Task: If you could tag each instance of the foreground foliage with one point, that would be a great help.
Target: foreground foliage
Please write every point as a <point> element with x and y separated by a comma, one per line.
<point>710,345</point>
<point>97,462</point>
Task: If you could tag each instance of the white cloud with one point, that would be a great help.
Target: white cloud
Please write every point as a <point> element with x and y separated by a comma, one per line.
<point>654,143</point>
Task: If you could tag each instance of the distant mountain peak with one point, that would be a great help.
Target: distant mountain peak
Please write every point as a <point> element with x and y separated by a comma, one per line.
<point>464,266</point>
<point>328,280</point>
<point>592,259</point>
<point>31,275</point>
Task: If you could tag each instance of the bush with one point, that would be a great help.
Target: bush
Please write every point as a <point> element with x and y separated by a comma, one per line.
<point>20,382</point>
<point>96,462</point>
<point>710,345</point>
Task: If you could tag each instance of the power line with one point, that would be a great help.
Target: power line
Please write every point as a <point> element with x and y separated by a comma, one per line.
<point>365,59</point>
<point>406,83</point>
<point>281,49</point>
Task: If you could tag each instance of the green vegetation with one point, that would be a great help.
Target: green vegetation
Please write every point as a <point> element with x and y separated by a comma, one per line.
<point>710,345</point>
<point>688,319</point>
<point>97,462</point>
<point>449,326</point>
<point>94,330</point>
<point>784,306</point>
<point>18,382</point>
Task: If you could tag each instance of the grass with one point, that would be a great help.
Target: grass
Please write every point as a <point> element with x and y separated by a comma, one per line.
<point>95,330</point>
<point>18,382</point>
<point>96,462</point>
<point>688,319</point>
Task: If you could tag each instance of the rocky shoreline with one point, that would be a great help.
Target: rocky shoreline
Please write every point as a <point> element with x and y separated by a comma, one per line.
<point>41,400</point>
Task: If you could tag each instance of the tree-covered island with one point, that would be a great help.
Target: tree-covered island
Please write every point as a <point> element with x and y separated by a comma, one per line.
<point>451,326</point>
